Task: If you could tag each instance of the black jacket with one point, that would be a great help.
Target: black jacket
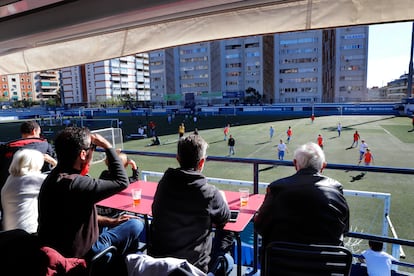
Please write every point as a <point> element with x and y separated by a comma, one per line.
<point>306,207</point>
<point>184,209</point>
<point>231,142</point>
<point>67,213</point>
<point>7,151</point>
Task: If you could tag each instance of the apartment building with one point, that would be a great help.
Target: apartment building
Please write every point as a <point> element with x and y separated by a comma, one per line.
<point>397,89</point>
<point>16,87</point>
<point>47,85</point>
<point>248,65</point>
<point>184,75</point>
<point>322,65</point>
<point>162,76</point>
<point>212,72</point>
<point>99,82</point>
<point>142,74</point>
<point>4,88</point>
<point>351,64</point>
<point>298,67</point>
<point>19,87</point>
<point>298,74</point>
<point>72,83</point>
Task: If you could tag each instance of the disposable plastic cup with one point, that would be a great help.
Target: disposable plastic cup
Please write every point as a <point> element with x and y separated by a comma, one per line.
<point>244,196</point>
<point>136,196</point>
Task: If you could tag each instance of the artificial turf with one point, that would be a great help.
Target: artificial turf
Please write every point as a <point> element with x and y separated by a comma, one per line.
<point>389,138</point>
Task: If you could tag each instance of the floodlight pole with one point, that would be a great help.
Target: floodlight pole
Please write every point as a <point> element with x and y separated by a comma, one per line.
<point>410,69</point>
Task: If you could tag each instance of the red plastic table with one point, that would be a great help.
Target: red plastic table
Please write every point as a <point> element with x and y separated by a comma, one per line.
<point>123,201</point>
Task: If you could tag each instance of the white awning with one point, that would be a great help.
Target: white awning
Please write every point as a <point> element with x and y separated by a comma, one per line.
<point>72,32</point>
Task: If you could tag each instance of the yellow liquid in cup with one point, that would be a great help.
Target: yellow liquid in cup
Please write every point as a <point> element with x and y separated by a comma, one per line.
<point>243,201</point>
<point>137,201</point>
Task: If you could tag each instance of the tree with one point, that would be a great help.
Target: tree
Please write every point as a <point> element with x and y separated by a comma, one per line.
<point>252,96</point>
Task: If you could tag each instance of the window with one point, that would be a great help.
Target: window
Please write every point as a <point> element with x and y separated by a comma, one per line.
<point>194,59</point>
<point>351,78</point>
<point>201,67</point>
<point>229,83</point>
<point>193,85</point>
<point>299,41</point>
<point>156,54</point>
<point>234,65</point>
<point>299,80</point>
<point>288,70</point>
<point>352,47</point>
<point>298,51</point>
<point>187,68</point>
<point>252,45</point>
<point>156,63</point>
<point>232,47</point>
<point>193,51</point>
<point>253,54</point>
<point>230,56</point>
<point>233,74</point>
<point>354,36</point>
<point>352,57</point>
<point>299,60</point>
<point>351,68</point>
<point>158,71</point>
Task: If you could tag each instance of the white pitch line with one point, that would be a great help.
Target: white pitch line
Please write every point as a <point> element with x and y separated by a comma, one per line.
<point>389,133</point>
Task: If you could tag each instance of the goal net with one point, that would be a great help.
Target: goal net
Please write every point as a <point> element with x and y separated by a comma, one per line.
<point>95,124</point>
<point>113,135</point>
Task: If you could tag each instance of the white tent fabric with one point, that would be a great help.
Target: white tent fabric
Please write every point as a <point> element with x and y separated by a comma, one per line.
<point>161,24</point>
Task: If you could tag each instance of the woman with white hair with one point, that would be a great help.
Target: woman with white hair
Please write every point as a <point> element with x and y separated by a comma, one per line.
<point>19,193</point>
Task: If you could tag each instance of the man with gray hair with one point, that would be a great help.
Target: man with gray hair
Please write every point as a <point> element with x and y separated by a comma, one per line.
<point>306,207</point>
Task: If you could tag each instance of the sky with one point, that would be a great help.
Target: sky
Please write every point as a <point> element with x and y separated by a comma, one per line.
<point>388,52</point>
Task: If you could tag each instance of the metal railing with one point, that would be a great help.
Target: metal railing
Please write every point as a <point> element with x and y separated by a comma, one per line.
<point>256,162</point>
<point>396,242</point>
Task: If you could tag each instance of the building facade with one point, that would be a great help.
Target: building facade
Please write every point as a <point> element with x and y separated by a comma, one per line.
<point>162,76</point>
<point>298,67</point>
<point>248,69</point>
<point>298,74</point>
<point>47,85</point>
<point>397,89</point>
<point>17,87</point>
<point>351,64</point>
<point>213,72</point>
<point>124,78</point>
<point>30,87</point>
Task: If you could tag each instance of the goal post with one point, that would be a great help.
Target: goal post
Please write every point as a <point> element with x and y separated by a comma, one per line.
<point>114,136</point>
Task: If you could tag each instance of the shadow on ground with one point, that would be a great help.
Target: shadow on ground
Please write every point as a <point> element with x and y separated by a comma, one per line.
<point>357,177</point>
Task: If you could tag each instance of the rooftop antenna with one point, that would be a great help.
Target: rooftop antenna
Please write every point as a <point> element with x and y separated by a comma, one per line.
<point>410,69</point>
